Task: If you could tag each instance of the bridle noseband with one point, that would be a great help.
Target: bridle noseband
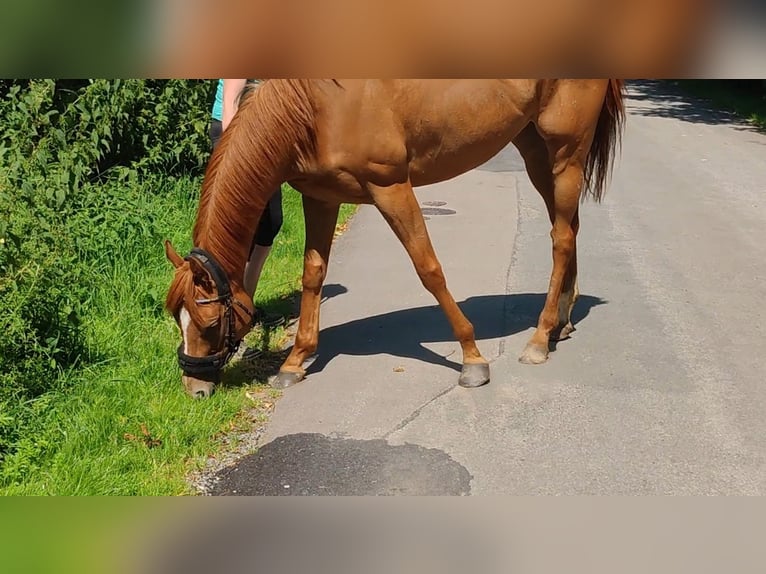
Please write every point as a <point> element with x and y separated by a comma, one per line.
<point>215,362</point>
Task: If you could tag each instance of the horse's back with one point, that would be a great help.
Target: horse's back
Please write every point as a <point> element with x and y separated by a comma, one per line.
<point>425,131</point>
<point>431,129</point>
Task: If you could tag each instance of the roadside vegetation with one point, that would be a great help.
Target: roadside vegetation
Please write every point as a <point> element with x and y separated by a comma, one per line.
<point>746,98</point>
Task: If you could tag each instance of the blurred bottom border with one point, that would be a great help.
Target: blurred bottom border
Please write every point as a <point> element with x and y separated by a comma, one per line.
<point>387,534</point>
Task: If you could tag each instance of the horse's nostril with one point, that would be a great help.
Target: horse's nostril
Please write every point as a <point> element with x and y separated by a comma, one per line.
<point>201,394</point>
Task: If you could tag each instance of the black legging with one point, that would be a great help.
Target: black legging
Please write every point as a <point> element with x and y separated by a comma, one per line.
<point>271,220</point>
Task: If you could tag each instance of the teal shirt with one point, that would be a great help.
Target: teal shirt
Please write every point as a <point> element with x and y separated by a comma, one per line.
<point>218,103</point>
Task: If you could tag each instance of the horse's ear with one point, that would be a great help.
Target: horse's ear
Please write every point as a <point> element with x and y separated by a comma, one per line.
<point>201,275</point>
<point>172,256</point>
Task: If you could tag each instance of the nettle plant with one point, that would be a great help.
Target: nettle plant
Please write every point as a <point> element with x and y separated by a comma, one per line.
<point>77,159</point>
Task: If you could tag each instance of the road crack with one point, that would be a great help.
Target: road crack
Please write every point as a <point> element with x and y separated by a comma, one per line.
<point>416,413</point>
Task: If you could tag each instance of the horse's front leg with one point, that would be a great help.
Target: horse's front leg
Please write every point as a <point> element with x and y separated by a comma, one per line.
<point>321,219</point>
<point>399,207</point>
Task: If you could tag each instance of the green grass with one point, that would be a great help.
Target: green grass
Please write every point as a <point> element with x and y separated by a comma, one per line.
<point>746,99</point>
<point>123,425</point>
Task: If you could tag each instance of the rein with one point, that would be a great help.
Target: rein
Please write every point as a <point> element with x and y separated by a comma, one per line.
<point>215,362</point>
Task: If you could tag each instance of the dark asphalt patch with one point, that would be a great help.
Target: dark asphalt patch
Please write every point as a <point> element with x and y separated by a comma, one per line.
<point>313,464</point>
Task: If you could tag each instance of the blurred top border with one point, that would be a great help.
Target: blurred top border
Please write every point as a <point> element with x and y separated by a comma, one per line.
<point>417,38</point>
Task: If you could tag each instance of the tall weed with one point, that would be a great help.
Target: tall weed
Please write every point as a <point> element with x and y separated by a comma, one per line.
<point>79,165</point>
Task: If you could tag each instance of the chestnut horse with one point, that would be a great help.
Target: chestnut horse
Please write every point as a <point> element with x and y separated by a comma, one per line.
<point>372,141</point>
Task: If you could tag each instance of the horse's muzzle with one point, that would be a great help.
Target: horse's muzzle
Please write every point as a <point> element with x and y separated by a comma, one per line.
<point>199,388</point>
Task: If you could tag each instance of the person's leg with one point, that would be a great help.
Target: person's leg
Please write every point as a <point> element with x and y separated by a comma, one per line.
<point>268,228</point>
<point>254,267</point>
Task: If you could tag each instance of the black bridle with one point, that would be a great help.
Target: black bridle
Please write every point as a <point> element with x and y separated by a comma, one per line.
<point>211,364</point>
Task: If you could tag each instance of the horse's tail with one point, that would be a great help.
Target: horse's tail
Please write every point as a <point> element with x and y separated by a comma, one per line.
<point>598,165</point>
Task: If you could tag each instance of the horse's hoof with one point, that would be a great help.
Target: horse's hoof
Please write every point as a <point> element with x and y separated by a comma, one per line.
<point>533,355</point>
<point>564,333</point>
<point>198,389</point>
<point>474,375</point>
<point>286,379</point>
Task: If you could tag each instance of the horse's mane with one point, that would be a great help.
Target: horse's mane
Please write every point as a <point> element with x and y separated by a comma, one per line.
<point>273,127</point>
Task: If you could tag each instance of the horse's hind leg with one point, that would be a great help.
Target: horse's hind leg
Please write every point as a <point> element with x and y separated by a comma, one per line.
<point>569,291</point>
<point>321,219</point>
<point>399,207</point>
<point>558,176</point>
<point>536,158</point>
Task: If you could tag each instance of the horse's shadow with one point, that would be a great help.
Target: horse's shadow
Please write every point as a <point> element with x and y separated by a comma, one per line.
<point>289,306</point>
<point>402,333</point>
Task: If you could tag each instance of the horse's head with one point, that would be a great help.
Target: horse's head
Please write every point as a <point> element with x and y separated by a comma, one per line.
<point>213,314</point>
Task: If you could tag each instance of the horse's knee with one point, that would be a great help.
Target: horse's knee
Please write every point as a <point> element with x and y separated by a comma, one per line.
<point>431,275</point>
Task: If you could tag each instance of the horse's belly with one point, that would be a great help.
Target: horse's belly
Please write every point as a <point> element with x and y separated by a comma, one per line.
<point>340,187</point>
<point>433,168</point>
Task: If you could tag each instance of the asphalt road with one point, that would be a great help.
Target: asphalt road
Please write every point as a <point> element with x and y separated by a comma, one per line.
<point>660,390</point>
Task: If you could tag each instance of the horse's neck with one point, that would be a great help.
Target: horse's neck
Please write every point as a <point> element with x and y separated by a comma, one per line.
<point>227,225</point>
<point>257,153</point>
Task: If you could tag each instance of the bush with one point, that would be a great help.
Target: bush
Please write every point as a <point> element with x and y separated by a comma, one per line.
<point>76,158</point>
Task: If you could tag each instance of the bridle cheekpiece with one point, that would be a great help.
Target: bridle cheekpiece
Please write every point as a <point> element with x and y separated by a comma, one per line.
<point>213,363</point>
